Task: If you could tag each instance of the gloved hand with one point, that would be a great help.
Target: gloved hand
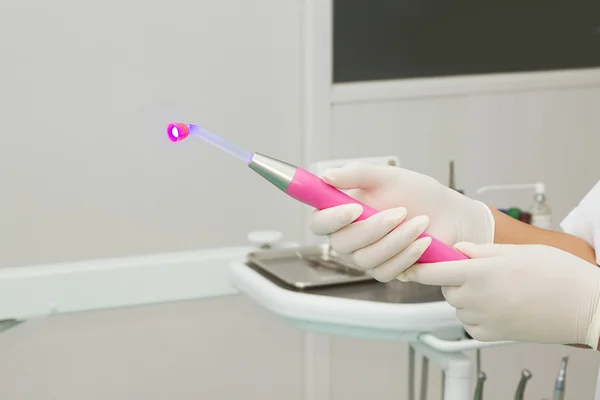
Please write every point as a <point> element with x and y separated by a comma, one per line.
<point>529,293</point>
<point>378,245</point>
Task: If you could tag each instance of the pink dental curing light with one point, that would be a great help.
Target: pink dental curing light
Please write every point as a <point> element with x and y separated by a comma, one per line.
<point>302,185</point>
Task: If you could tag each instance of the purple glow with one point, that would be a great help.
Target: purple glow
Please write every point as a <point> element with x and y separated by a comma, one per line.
<point>220,143</point>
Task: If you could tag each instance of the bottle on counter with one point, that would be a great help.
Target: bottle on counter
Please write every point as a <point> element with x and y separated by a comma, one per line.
<point>539,214</point>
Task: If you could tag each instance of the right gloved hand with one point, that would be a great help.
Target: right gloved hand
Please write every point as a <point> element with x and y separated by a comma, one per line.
<point>504,292</point>
<point>385,245</point>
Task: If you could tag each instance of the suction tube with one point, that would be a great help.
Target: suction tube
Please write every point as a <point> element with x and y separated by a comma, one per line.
<point>311,190</point>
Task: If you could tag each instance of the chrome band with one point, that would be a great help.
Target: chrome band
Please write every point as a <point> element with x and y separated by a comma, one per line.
<point>277,172</point>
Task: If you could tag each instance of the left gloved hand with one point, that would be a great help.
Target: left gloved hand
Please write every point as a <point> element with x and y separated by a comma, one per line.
<point>529,293</point>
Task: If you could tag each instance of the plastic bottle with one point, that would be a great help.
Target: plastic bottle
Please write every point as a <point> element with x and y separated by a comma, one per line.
<point>541,214</point>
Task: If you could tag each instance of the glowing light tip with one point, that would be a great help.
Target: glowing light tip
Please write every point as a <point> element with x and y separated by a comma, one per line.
<point>177,131</point>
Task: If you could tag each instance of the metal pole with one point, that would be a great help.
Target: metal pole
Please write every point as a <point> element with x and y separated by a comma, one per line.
<point>424,378</point>
<point>443,383</point>
<point>457,368</point>
<point>411,372</point>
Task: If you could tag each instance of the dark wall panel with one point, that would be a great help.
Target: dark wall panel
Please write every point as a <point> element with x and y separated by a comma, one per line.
<point>393,39</point>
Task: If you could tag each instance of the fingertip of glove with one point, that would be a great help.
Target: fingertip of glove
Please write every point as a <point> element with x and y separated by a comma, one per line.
<point>328,178</point>
<point>420,224</point>
<point>422,244</point>
<point>395,216</point>
<point>467,247</point>
<point>407,275</point>
<point>349,213</point>
<point>330,175</point>
<point>460,246</point>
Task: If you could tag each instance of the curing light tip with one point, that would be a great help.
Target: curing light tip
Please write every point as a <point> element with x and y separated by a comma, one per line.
<point>177,131</point>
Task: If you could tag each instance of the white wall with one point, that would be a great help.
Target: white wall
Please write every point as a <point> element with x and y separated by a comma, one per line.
<point>86,172</point>
<point>515,137</point>
<point>87,91</point>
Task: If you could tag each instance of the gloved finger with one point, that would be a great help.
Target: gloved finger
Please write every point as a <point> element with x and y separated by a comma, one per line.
<point>454,296</point>
<point>473,330</point>
<point>472,250</point>
<point>363,233</point>
<point>468,317</point>
<point>330,220</point>
<point>452,273</point>
<point>393,267</point>
<point>479,332</point>
<point>391,244</point>
<point>355,175</point>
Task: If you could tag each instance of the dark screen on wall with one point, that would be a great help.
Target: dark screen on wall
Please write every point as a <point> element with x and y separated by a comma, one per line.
<point>394,39</point>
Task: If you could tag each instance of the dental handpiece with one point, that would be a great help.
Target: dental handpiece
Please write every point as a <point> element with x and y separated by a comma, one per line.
<point>561,380</point>
<point>525,376</point>
<point>479,388</point>
<point>302,185</point>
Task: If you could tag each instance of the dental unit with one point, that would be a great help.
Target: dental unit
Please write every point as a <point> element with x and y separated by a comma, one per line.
<point>328,299</point>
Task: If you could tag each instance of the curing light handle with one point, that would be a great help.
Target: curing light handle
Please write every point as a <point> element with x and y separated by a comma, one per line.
<point>311,190</point>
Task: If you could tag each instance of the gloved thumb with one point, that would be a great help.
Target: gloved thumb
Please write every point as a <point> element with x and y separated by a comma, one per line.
<point>354,176</point>
<point>473,250</point>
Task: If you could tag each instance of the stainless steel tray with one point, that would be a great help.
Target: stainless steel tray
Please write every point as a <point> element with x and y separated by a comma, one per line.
<point>307,267</point>
<point>320,271</point>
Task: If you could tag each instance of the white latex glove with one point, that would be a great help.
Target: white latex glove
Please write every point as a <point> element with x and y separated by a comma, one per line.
<point>378,245</point>
<point>529,293</point>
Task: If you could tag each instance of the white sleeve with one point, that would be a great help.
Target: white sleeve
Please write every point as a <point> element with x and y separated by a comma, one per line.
<point>584,220</point>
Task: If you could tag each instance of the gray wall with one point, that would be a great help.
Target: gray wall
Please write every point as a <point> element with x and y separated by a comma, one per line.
<point>87,91</point>
<point>86,172</point>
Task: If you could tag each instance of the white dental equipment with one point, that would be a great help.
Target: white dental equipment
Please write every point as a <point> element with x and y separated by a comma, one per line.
<point>431,329</point>
<point>541,214</point>
<point>35,292</point>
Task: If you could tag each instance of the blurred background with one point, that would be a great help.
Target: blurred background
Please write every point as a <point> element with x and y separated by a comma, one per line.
<point>508,90</point>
